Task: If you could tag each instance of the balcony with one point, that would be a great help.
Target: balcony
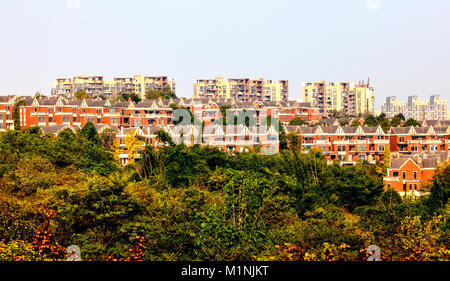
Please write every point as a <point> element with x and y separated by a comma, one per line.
<point>217,143</point>
<point>381,142</point>
<point>272,142</point>
<point>341,142</point>
<point>322,142</point>
<point>242,142</point>
<point>432,142</point>
<point>391,178</point>
<point>414,141</point>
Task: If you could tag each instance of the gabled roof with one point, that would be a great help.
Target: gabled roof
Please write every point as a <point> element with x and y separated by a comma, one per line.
<point>55,129</point>
<point>397,163</point>
<point>350,130</point>
<point>403,130</point>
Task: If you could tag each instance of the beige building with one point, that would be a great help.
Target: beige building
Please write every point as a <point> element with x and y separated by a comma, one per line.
<point>97,86</point>
<point>352,99</point>
<point>433,109</point>
<point>241,89</point>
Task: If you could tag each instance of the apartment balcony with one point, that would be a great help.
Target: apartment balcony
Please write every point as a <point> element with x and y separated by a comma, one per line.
<point>391,178</point>
<point>39,114</point>
<point>415,141</point>
<point>381,142</point>
<point>323,142</point>
<point>341,142</point>
<point>89,115</point>
<point>242,142</point>
<point>111,115</point>
<point>432,142</point>
<point>217,143</point>
<point>271,142</point>
<point>63,113</point>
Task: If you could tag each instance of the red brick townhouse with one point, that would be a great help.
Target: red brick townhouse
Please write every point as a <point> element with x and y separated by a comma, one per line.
<point>62,111</point>
<point>406,140</point>
<point>408,174</point>
<point>346,144</point>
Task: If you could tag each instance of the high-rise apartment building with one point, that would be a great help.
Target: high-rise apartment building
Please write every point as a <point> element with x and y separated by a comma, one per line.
<point>393,106</point>
<point>435,108</point>
<point>341,96</point>
<point>96,85</point>
<point>242,89</point>
<point>438,109</point>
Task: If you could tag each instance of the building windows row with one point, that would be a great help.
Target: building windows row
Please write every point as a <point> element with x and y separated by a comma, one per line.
<point>412,187</point>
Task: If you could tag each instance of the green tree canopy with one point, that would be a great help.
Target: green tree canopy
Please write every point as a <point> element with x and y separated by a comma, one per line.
<point>165,93</point>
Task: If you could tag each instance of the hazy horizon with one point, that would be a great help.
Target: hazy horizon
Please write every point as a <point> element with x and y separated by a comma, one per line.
<point>402,45</point>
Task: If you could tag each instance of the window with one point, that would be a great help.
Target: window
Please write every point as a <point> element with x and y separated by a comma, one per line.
<point>404,187</point>
<point>404,175</point>
<point>415,175</point>
<point>395,174</point>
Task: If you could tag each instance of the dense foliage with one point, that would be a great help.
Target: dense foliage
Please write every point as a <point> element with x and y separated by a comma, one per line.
<point>199,203</point>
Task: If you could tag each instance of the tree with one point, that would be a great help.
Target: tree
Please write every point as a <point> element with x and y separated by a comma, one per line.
<point>81,94</point>
<point>381,117</point>
<point>94,215</point>
<point>370,120</point>
<point>132,144</point>
<point>396,121</point>
<point>386,159</point>
<point>164,138</point>
<point>89,132</point>
<point>355,123</point>
<point>411,122</point>
<point>400,116</point>
<point>294,141</point>
<point>134,98</point>
<point>108,137</point>
<point>16,114</point>
<point>440,189</point>
<point>165,93</point>
<point>297,121</point>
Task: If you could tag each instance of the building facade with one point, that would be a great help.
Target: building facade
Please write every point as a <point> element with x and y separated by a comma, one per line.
<point>97,86</point>
<point>242,89</point>
<point>351,99</point>
<point>409,174</point>
<point>435,108</point>
<point>346,144</point>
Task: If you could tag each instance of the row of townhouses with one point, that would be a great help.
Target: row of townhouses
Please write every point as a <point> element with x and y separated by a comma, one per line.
<point>159,112</point>
<point>346,144</point>
<point>411,168</point>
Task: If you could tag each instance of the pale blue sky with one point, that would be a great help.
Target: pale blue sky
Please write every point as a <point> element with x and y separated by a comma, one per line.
<point>403,46</point>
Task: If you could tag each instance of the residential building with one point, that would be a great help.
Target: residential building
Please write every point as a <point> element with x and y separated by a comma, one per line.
<point>407,140</point>
<point>241,89</point>
<point>97,86</point>
<point>346,144</point>
<point>409,174</point>
<point>351,99</point>
<point>435,108</point>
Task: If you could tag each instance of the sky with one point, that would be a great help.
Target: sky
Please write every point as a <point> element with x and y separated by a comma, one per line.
<point>402,45</point>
